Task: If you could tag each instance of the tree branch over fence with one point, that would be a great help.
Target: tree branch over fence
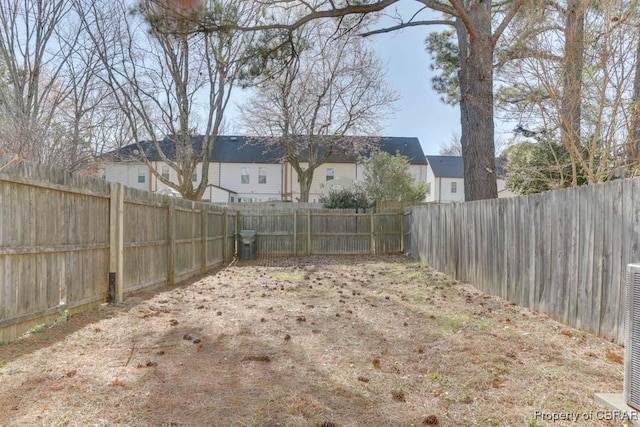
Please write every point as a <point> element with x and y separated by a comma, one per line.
<point>406,25</point>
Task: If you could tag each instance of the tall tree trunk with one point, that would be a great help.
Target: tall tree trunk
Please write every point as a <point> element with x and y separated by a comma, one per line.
<point>305,185</point>
<point>476,104</point>
<point>570,113</point>
<point>633,147</point>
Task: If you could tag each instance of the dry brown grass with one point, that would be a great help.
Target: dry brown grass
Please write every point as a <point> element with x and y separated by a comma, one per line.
<point>347,341</point>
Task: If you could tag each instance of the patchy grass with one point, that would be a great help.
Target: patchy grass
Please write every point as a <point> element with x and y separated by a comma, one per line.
<point>319,341</point>
<point>287,275</point>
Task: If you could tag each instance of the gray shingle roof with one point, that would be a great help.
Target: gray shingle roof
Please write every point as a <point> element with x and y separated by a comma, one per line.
<point>243,149</point>
<point>446,166</point>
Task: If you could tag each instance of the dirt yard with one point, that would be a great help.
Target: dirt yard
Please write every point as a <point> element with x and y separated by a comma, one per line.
<point>345,341</point>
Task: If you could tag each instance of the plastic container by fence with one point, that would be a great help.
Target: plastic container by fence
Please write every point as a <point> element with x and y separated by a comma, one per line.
<point>248,246</point>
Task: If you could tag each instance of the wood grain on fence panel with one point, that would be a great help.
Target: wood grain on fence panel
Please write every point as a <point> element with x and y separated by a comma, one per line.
<point>54,246</point>
<point>388,232</point>
<point>57,236</point>
<point>214,238</point>
<point>188,228</point>
<point>630,240</point>
<point>563,252</point>
<point>232,230</point>
<point>323,232</point>
<point>613,295</point>
<point>146,239</point>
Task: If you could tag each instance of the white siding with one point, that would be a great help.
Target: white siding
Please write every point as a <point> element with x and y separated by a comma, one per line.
<point>441,188</point>
<point>127,174</point>
<point>218,195</point>
<point>419,172</point>
<point>344,172</point>
<point>214,176</point>
<point>432,183</point>
<point>230,178</point>
<point>446,195</point>
<point>338,184</point>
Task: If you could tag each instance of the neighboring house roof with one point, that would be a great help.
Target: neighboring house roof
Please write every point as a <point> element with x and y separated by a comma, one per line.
<point>453,167</point>
<point>407,146</point>
<point>244,149</point>
<point>446,166</point>
<point>234,149</point>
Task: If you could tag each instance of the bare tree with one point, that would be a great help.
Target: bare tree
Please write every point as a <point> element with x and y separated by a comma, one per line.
<point>568,75</point>
<point>473,21</point>
<point>33,88</point>
<point>633,144</point>
<point>451,148</point>
<point>50,94</point>
<point>170,84</point>
<point>332,86</point>
<point>572,69</point>
<point>454,147</point>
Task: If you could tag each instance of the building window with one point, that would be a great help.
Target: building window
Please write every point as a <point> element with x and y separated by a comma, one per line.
<point>244,179</point>
<point>194,176</point>
<point>262,175</point>
<point>454,187</point>
<point>165,172</point>
<point>330,173</point>
<point>142,177</point>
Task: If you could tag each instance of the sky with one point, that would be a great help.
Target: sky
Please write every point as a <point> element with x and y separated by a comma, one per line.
<point>420,112</point>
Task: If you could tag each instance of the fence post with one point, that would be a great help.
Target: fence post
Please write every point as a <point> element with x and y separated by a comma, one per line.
<point>116,241</point>
<point>401,215</point>
<point>225,238</point>
<point>309,232</point>
<point>203,229</point>
<point>236,231</point>
<point>373,235</point>
<point>171,249</point>
<point>295,232</point>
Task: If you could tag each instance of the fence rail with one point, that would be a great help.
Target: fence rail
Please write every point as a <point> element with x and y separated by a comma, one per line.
<point>563,253</point>
<point>70,242</point>
<point>307,232</point>
<point>62,237</point>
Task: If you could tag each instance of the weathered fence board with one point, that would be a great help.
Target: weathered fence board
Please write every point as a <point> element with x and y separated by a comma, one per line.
<point>52,249</point>
<point>305,232</point>
<point>61,235</point>
<point>563,253</point>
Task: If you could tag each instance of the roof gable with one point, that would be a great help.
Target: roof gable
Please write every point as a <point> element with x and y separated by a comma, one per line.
<point>446,166</point>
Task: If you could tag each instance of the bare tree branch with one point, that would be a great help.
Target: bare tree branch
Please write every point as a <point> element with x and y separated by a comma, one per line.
<point>407,25</point>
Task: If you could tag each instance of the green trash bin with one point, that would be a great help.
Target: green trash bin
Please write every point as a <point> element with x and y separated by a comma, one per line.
<point>248,244</point>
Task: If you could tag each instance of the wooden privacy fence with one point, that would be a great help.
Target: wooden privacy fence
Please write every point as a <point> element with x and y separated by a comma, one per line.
<point>63,237</point>
<point>307,232</point>
<point>563,253</point>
